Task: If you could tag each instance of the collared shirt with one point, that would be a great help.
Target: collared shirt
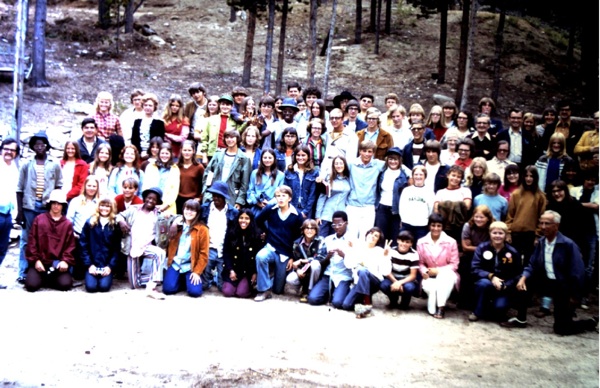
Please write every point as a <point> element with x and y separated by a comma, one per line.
<point>182,262</point>
<point>337,270</point>
<point>548,264</point>
<point>363,181</point>
<point>372,135</point>
<point>516,146</point>
<point>217,224</point>
<point>108,124</point>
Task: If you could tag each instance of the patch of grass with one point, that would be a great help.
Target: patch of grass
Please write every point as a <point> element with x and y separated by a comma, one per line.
<point>558,38</point>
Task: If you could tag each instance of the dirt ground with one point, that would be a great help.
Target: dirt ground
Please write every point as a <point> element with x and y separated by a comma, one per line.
<point>56,339</point>
<point>122,338</point>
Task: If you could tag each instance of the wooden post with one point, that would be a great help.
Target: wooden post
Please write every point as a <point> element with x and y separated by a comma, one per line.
<point>19,69</point>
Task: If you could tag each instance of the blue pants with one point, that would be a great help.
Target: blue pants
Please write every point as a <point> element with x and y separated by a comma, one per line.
<point>410,289</point>
<point>174,281</point>
<point>97,283</point>
<point>324,289</point>
<point>266,258</point>
<point>387,221</point>
<point>212,272</point>
<point>367,284</point>
<point>487,297</point>
<point>325,229</point>
<point>5,228</point>
<point>29,217</point>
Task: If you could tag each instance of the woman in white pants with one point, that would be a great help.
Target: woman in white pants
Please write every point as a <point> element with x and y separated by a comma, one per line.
<point>438,262</point>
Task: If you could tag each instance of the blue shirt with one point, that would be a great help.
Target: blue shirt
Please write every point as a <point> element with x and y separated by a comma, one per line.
<point>363,182</point>
<point>496,203</point>
<point>182,262</point>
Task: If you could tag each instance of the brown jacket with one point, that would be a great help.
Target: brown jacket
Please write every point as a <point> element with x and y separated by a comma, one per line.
<point>200,246</point>
<point>383,143</point>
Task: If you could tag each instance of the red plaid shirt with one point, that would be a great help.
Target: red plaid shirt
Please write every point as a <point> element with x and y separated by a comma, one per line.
<point>108,124</point>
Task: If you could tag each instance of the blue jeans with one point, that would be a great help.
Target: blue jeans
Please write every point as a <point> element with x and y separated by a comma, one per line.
<point>29,217</point>
<point>266,258</point>
<point>410,289</point>
<point>174,281</point>
<point>367,284</point>
<point>387,221</point>
<point>322,291</point>
<point>97,283</point>
<point>486,297</point>
<point>212,272</point>
<point>417,231</point>
<point>5,228</point>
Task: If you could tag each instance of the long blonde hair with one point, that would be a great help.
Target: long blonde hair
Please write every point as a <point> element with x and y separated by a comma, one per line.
<point>112,217</point>
<point>82,197</point>
<point>478,160</point>
<point>168,115</point>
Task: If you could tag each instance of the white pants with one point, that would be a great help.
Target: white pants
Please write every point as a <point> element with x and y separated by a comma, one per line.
<point>438,289</point>
<point>313,277</point>
<point>360,220</point>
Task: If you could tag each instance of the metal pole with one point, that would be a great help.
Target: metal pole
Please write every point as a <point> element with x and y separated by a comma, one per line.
<point>18,72</point>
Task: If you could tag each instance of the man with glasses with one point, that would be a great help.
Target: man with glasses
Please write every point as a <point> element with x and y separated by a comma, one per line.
<point>354,122</point>
<point>557,264</point>
<point>8,199</point>
<point>499,162</point>
<point>366,102</point>
<point>382,138</point>
<point>335,283</point>
<point>413,153</point>
<point>484,143</point>
<point>571,131</point>
<point>340,141</point>
<point>521,142</point>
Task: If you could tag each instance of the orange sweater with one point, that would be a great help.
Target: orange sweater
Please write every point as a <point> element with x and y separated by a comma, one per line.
<point>524,210</point>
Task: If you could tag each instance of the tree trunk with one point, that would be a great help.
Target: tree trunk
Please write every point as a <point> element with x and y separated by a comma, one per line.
<point>232,14</point>
<point>464,45</point>
<point>470,55</point>
<point>312,29</point>
<point>129,17</point>
<point>269,47</point>
<point>281,54</point>
<point>377,25</point>
<point>358,26</point>
<point>388,17</point>
<point>443,8</point>
<point>571,44</point>
<point>373,15</point>
<point>329,45</point>
<point>499,41</point>
<point>38,78</point>
<point>589,57</point>
<point>104,14</point>
<point>247,73</point>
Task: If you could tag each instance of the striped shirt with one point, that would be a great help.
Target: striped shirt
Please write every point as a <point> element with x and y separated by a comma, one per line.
<point>39,181</point>
<point>402,263</point>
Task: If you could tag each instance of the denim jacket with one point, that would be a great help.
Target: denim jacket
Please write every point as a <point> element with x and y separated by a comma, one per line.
<point>304,194</point>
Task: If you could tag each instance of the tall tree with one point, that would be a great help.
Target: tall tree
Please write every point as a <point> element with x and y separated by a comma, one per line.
<point>377,26</point>
<point>470,54</point>
<point>248,50</point>
<point>312,32</point>
<point>358,25</point>
<point>104,14</point>
<point>373,15</point>
<point>281,54</point>
<point>499,42</point>
<point>464,45</point>
<point>269,47</point>
<point>388,16</point>
<point>329,45</point>
<point>443,9</point>
<point>38,75</point>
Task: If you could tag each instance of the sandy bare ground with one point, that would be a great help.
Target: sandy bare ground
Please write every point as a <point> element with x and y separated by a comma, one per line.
<point>74,339</point>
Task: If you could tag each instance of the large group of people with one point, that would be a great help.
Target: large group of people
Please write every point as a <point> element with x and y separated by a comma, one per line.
<point>250,195</point>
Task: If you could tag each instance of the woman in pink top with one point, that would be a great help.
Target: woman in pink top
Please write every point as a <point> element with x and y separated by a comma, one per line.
<point>438,263</point>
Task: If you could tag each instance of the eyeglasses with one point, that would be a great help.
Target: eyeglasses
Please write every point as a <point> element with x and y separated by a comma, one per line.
<point>463,150</point>
<point>372,118</point>
<point>417,129</point>
<point>503,151</point>
<point>9,149</point>
<point>335,117</point>
<point>310,228</point>
<point>338,225</point>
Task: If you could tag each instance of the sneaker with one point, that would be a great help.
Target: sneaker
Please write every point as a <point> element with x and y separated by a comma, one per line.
<point>585,303</point>
<point>263,296</point>
<point>514,323</point>
<point>362,310</point>
<point>21,280</point>
<point>304,298</point>
<point>473,317</point>
<point>543,312</point>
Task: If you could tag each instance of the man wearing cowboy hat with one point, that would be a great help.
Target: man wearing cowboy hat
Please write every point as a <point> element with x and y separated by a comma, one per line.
<point>37,179</point>
<point>50,251</point>
<point>219,216</point>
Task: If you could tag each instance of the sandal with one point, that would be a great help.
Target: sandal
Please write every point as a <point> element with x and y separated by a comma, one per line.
<point>439,314</point>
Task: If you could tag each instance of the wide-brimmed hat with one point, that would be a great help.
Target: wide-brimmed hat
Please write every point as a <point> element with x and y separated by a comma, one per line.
<point>155,190</point>
<point>345,95</point>
<point>352,103</point>
<point>289,102</point>
<point>41,135</point>
<point>219,188</point>
<point>59,196</point>
<point>394,151</point>
<point>225,97</point>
